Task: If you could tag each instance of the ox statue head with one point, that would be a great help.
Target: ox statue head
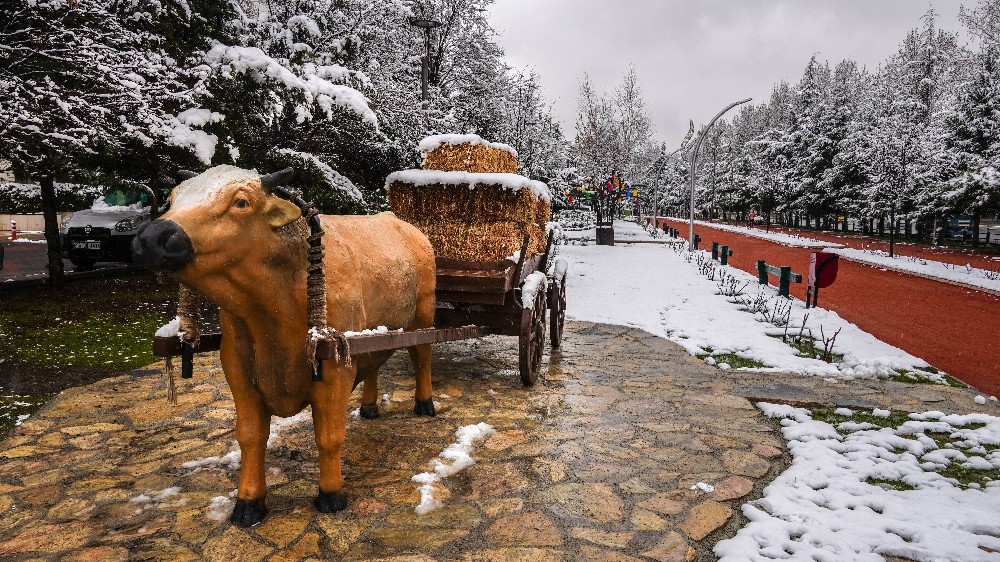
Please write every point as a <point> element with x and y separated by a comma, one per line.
<point>216,216</point>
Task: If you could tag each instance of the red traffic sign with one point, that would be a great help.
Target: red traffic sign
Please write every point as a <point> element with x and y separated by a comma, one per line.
<point>823,269</point>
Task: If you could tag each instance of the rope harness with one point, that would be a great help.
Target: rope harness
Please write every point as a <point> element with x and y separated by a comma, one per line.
<point>189,303</point>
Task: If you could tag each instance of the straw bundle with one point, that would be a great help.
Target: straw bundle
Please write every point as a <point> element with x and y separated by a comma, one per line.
<point>469,157</point>
<point>439,202</point>
<point>481,241</point>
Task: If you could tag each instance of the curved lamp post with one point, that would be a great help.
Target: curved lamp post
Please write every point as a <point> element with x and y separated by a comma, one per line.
<point>694,163</point>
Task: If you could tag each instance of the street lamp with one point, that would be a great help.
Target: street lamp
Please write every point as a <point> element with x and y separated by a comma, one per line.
<point>694,163</point>
<point>427,25</point>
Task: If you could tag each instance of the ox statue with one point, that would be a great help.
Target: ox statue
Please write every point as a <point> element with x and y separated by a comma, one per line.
<point>228,237</point>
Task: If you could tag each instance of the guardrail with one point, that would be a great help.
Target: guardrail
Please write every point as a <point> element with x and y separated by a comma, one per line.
<point>783,273</point>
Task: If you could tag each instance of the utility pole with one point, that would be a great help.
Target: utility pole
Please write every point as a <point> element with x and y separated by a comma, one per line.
<point>694,164</point>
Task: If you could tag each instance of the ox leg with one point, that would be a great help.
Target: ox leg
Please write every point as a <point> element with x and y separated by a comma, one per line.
<point>420,356</point>
<point>369,395</point>
<point>329,404</point>
<point>252,429</point>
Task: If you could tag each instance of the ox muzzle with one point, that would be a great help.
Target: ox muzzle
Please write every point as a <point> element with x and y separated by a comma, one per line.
<point>162,245</point>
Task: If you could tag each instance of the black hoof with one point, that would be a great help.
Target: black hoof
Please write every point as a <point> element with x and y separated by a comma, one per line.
<point>424,407</point>
<point>369,412</point>
<point>330,502</point>
<point>248,513</point>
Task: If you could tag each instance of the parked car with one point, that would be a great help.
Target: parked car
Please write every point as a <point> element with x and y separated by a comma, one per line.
<point>104,232</point>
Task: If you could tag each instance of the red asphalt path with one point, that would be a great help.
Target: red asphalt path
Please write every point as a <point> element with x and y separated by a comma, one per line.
<point>953,328</point>
<point>981,260</point>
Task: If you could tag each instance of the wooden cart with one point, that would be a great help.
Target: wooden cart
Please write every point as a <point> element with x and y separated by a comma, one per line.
<point>474,299</point>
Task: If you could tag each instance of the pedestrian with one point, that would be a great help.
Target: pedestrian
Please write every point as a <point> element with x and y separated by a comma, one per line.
<point>751,217</point>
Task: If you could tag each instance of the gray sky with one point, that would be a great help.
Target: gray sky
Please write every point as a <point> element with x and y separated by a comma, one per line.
<point>694,57</point>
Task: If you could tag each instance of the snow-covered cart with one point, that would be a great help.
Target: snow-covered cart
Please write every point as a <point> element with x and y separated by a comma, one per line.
<point>495,269</point>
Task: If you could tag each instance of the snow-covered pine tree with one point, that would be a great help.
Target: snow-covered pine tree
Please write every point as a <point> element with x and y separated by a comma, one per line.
<point>973,142</point>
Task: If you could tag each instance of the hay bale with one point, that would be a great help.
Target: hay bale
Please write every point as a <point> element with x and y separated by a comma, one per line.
<point>447,202</point>
<point>481,241</point>
<point>481,217</point>
<point>467,153</point>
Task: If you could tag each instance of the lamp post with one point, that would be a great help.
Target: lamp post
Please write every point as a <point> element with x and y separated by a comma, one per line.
<point>427,25</point>
<point>694,163</point>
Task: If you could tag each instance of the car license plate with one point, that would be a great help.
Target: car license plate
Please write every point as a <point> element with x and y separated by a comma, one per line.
<point>87,245</point>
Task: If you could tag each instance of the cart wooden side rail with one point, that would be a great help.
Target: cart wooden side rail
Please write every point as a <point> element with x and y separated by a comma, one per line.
<point>475,299</point>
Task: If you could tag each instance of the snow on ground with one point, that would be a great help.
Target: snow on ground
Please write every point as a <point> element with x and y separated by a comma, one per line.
<point>660,289</point>
<point>759,232</point>
<point>964,274</point>
<point>460,457</point>
<point>858,491</point>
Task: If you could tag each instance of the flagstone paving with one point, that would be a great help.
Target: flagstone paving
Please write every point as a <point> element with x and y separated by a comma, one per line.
<point>595,463</point>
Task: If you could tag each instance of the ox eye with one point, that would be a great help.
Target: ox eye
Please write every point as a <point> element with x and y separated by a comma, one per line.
<point>241,203</point>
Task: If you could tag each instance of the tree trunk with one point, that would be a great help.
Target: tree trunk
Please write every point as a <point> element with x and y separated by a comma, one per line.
<point>976,216</point>
<point>49,211</point>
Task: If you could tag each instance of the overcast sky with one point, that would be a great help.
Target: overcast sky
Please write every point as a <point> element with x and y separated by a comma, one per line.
<point>694,57</point>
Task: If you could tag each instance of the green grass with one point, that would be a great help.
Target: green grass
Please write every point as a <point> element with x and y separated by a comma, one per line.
<point>894,420</point>
<point>733,360</point>
<point>14,408</point>
<point>921,376</point>
<point>51,339</point>
<point>962,475</point>
<point>890,484</point>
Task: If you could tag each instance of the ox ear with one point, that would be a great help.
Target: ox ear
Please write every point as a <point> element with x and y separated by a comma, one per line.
<point>280,213</point>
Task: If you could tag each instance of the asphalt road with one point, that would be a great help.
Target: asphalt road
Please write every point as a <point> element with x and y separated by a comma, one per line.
<point>24,261</point>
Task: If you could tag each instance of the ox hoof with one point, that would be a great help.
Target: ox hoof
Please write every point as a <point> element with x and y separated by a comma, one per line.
<point>370,411</point>
<point>330,502</point>
<point>424,407</point>
<point>248,513</point>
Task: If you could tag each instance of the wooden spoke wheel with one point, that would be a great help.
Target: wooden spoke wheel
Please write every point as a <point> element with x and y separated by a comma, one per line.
<point>532,339</point>
<point>557,314</point>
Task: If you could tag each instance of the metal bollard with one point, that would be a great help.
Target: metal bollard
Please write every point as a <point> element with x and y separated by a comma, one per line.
<point>761,272</point>
<point>697,241</point>
<point>724,255</point>
<point>715,250</point>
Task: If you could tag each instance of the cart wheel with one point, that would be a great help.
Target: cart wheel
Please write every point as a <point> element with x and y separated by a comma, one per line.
<point>532,339</point>
<point>557,316</point>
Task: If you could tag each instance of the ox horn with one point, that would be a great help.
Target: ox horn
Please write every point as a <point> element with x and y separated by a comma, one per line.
<point>184,175</point>
<point>276,179</point>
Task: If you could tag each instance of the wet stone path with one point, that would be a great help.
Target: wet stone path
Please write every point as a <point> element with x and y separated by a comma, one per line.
<point>596,463</point>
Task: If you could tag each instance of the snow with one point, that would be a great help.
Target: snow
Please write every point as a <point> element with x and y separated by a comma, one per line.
<point>512,182</point>
<point>330,176</point>
<point>170,329</point>
<point>965,275</point>
<point>204,187</point>
<point>781,238</point>
<point>459,453</point>
<point>828,505</point>
<point>233,457</point>
<point>658,288</point>
<point>707,488</point>
<point>101,206</point>
<point>432,143</point>
<point>370,332</point>
<point>178,133</point>
<point>316,89</point>
<point>532,284</point>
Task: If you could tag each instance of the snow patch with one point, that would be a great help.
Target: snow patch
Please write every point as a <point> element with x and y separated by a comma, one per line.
<point>204,187</point>
<point>433,142</point>
<point>836,501</point>
<point>512,182</point>
<point>459,455</point>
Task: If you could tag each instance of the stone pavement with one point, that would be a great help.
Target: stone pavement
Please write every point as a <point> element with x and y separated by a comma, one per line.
<point>596,463</point>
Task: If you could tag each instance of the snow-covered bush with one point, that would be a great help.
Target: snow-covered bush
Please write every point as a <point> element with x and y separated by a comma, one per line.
<point>20,198</point>
<point>576,219</point>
